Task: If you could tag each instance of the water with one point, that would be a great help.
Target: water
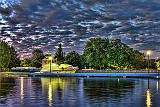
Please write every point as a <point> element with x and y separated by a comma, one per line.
<point>79,92</point>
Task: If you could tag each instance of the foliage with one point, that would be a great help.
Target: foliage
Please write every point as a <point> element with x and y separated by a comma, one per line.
<point>112,54</point>
<point>8,56</point>
<point>26,62</point>
<point>95,52</point>
<point>152,64</point>
<point>99,53</point>
<point>14,61</point>
<point>37,57</point>
<point>59,55</point>
<point>73,58</point>
<point>84,64</point>
<point>35,60</point>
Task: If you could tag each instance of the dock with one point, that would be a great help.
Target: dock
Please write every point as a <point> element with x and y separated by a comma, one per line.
<point>40,74</point>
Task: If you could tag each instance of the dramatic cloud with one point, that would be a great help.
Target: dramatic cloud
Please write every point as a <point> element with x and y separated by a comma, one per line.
<point>29,24</point>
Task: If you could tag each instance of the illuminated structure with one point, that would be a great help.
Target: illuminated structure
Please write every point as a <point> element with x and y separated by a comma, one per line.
<point>158,64</point>
<point>148,53</point>
<point>49,65</point>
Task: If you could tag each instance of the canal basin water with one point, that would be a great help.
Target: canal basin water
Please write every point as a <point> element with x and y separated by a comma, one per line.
<point>79,92</point>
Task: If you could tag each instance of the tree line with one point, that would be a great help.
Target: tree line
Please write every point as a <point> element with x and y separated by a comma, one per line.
<point>99,53</point>
<point>8,57</point>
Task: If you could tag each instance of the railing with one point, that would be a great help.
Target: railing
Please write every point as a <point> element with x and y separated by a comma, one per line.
<point>118,71</point>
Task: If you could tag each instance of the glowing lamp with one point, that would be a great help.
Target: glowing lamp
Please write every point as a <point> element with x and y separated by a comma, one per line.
<point>149,52</point>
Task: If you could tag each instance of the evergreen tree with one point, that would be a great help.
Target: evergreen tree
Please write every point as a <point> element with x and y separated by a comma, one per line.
<point>14,61</point>
<point>37,57</point>
<point>8,56</point>
<point>59,55</point>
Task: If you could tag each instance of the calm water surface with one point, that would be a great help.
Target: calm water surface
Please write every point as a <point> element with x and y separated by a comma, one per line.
<point>79,92</point>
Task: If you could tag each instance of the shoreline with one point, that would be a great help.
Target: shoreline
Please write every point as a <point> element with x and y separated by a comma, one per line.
<point>113,74</point>
<point>117,71</point>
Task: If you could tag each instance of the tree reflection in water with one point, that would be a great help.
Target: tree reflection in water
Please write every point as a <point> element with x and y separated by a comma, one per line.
<point>105,88</point>
<point>148,96</point>
<point>6,86</point>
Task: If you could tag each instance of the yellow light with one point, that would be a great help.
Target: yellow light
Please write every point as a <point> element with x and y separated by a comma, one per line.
<point>50,95</point>
<point>149,52</point>
<point>148,99</point>
<point>157,86</point>
<point>50,58</point>
<point>22,89</point>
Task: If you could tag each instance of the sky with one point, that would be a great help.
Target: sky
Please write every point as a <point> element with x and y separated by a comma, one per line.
<point>30,24</point>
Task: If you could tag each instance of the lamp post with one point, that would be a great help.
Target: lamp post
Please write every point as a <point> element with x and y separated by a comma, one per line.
<point>50,60</point>
<point>148,55</point>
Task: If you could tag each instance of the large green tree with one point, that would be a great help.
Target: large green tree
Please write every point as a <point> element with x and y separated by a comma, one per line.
<point>113,54</point>
<point>59,55</point>
<point>123,57</point>
<point>8,56</point>
<point>95,52</point>
<point>74,59</point>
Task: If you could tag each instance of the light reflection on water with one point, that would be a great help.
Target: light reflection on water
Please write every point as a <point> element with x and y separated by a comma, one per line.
<point>22,89</point>
<point>78,92</point>
<point>50,95</point>
<point>157,86</point>
<point>148,98</point>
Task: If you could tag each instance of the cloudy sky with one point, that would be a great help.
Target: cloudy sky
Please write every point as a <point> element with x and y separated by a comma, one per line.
<point>29,24</point>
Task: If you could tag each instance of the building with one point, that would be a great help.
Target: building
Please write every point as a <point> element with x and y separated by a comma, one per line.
<point>158,64</point>
<point>49,65</point>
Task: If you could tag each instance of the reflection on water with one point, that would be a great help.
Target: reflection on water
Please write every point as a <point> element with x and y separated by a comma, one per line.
<point>157,86</point>
<point>6,87</point>
<point>22,89</point>
<point>53,85</point>
<point>98,89</point>
<point>50,95</point>
<point>148,99</point>
<point>148,96</point>
<point>78,92</point>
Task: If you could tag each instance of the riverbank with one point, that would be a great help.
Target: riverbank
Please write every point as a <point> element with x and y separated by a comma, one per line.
<point>115,74</point>
<point>117,71</point>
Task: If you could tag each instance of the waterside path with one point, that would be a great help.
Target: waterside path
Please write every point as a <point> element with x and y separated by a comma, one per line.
<point>40,74</point>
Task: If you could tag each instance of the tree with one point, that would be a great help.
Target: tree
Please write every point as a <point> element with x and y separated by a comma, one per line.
<point>152,64</point>
<point>37,57</point>
<point>8,56</point>
<point>95,51</point>
<point>26,62</point>
<point>119,55</point>
<point>73,58</point>
<point>59,55</point>
<point>14,61</point>
<point>112,54</point>
<point>137,60</point>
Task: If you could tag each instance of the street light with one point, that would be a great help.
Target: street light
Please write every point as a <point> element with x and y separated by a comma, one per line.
<point>148,55</point>
<point>50,60</point>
